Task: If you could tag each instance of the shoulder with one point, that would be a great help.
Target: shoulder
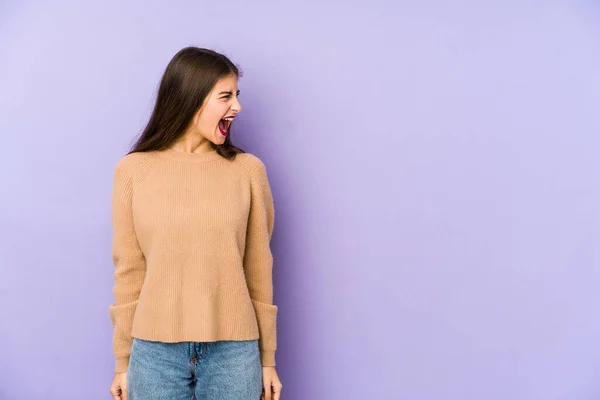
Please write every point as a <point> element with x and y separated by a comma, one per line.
<point>253,165</point>
<point>249,160</point>
<point>130,161</point>
<point>135,166</point>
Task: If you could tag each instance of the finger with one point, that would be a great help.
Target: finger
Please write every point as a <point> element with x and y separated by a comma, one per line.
<point>124,393</point>
<point>267,392</point>
<point>276,392</point>
<point>266,388</point>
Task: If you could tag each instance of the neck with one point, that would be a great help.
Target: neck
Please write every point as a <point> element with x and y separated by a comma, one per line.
<point>187,153</point>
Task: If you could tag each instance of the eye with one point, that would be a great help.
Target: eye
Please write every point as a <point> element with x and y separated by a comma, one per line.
<point>229,96</point>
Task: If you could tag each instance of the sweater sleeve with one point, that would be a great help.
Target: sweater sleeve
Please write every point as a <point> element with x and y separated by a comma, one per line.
<point>258,261</point>
<point>129,263</point>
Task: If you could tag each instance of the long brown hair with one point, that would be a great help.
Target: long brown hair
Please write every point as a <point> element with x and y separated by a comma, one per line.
<point>189,77</point>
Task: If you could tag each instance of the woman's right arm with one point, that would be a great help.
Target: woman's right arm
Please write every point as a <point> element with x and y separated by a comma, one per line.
<point>129,263</point>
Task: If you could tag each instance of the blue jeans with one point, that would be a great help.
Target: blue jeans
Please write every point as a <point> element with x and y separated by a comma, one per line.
<point>222,370</point>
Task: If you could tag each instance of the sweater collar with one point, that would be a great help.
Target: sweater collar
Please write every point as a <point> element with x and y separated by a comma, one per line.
<point>192,157</point>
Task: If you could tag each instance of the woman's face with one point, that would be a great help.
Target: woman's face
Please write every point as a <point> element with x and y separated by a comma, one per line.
<point>214,118</point>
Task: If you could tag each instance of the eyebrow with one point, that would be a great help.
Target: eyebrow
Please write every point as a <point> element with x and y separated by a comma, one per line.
<point>228,92</point>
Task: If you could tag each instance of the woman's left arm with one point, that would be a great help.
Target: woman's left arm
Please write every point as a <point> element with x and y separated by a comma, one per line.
<point>258,260</point>
<point>258,268</point>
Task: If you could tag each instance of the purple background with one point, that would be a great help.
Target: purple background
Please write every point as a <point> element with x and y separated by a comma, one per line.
<point>434,169</point>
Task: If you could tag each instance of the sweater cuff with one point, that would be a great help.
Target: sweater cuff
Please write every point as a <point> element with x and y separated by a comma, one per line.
<point>267,358</point>
<point>121,364</point>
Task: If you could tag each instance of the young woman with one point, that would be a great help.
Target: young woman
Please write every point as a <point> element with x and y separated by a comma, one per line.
<point>192,218</point>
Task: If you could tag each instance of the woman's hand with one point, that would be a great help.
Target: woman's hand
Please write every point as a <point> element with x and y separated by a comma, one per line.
<point>118,389</point>
<point>271,384</point>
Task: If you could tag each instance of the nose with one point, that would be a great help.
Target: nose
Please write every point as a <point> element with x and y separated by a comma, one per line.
<point>237,106</point>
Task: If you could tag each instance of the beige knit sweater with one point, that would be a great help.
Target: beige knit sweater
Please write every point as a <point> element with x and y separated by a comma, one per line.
<point>191,251</point>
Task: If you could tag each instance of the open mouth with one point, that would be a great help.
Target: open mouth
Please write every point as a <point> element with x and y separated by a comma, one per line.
<point>224,125</point>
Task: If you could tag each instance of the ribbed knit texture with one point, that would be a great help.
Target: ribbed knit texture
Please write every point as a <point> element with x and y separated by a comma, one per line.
<point>191,250</point>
